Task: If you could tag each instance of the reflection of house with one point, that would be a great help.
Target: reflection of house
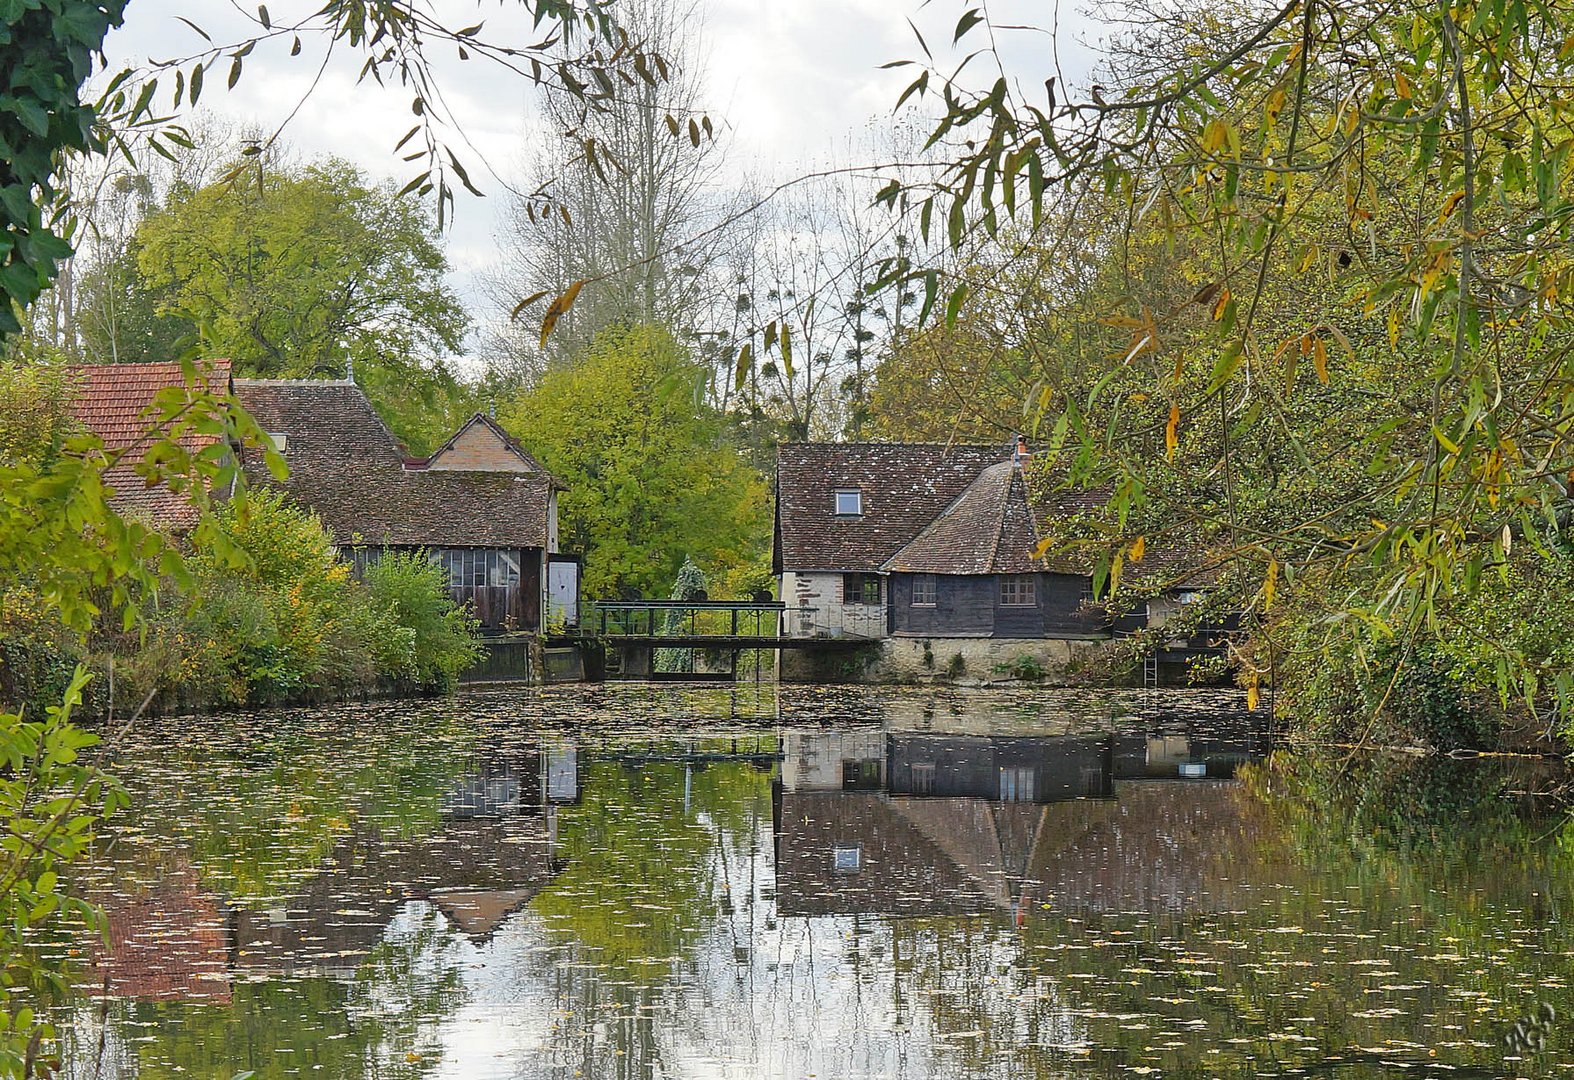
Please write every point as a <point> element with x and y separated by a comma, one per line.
<point>910,824</point>
<point>167,940</point>
<point>494,849</point>
<point>481,505</point>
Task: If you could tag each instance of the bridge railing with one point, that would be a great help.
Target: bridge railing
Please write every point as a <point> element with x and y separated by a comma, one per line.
<point>687,618</point>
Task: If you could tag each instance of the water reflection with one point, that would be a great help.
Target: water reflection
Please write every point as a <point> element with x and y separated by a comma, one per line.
<point>604,883</point>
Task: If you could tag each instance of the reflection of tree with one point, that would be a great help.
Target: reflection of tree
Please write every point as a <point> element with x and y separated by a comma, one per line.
<point>384,1025</point>
<point>258,806</point>
<point>651,854</point>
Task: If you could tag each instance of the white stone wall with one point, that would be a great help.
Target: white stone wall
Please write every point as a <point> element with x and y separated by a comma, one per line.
<point>829,616</point>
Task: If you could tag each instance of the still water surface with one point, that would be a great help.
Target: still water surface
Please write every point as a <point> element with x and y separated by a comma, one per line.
<point>627,881</point>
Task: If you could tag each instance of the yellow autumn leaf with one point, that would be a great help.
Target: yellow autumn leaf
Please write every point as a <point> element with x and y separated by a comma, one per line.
<point>1138,548</point>
<point>558,308</point>
<point>1251,697</point>
<point>1172,432</point>
<point>1451,204</point>
<point>1320,360</point>
<point>1270,585</point>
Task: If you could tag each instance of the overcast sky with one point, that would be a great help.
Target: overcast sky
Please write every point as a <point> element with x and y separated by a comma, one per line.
<point>790,78</point>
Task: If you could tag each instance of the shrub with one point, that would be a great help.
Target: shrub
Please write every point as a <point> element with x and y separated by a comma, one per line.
<point>956,667</point>
<point>431,640</point>
<point>1024,666</point>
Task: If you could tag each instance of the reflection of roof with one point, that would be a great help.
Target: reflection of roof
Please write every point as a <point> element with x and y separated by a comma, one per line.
<point>166,941</point>
<point>904,486</point>
<point>901,870</point>
<point>1156,847</point>
<point>988,529</point>
<point>348,467</point>
<point>112,401</point>
<point>476,870</point>
<point>479,912</point>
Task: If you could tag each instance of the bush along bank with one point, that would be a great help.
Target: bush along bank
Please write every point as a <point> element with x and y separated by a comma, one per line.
<point>266,615</point>
<point>1494,669</point>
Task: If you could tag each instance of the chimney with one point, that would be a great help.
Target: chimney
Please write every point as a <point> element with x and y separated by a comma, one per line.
<point>1020,458</point>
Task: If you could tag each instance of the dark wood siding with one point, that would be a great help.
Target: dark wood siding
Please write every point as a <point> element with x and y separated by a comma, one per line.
<point>969,606</point>
<point>501,585</point>
<point>1062,600</point>
<point>964,607</point>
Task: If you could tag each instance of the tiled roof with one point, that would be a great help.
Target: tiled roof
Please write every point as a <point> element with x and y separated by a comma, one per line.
<point>347,466</point>
<point>111,401</point>
<point>904,486</point>
<point>988,529</point>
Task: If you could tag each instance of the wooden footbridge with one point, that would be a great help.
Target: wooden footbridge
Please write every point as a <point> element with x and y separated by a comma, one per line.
<point>634,629</point>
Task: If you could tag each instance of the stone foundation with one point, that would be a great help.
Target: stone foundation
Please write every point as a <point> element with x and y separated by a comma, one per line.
<point>966,661</point>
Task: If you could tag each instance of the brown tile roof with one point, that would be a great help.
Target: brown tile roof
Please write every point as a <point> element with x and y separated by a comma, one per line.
<point>347,466</point>
<point>112,401</point>
<point>988,529</point>
<point>904,487</point>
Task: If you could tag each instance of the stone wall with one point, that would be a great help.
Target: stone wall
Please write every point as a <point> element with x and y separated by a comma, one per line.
<point>912,659</point>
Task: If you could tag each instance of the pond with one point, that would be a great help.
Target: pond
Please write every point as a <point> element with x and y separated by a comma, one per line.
<point>634,881</point>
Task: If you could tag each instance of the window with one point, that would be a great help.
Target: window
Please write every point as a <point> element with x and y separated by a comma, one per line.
<point>1017,590</point>
<point>1018,784</point>
<point>847,858</point>
<point>860,588</point>
<point>861,774</point>
<point>923,590</point>
<point>923,777</point>
<point>472,568</point>
<point>849,503</point>
<point>280,441</point>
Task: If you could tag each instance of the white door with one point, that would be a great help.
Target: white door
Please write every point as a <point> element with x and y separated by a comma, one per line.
<point>563,594</point>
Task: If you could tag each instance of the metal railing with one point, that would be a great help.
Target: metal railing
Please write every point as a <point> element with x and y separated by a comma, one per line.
<point>841,621</point>
<point>687,618</point>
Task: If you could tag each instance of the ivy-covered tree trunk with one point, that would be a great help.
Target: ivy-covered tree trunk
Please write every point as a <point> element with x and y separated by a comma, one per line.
<point>690,585</point>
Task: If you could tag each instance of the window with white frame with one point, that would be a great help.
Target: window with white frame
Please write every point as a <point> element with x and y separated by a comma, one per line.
<point>923,590</point>
<point>280,441</point>
<point>1018,590</point>
<point>849,503</point>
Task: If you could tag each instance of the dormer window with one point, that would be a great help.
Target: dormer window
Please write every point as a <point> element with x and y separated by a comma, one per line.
<point>280,441</point>
<point>849,503</point>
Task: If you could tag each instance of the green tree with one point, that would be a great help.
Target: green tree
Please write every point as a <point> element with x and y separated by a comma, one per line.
<point>651,475</point>
<point>313,272</point>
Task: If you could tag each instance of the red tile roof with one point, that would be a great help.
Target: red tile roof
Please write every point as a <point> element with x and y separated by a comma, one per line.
<point>113,402</point>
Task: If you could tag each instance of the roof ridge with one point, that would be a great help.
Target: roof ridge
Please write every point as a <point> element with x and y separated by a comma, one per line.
<point>1000,518</point>
<point>297,382</point>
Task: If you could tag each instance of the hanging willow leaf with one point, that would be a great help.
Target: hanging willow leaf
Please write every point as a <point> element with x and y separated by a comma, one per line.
<point>745,361</point>
<point>558,308</point>
<point>526,302</point>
